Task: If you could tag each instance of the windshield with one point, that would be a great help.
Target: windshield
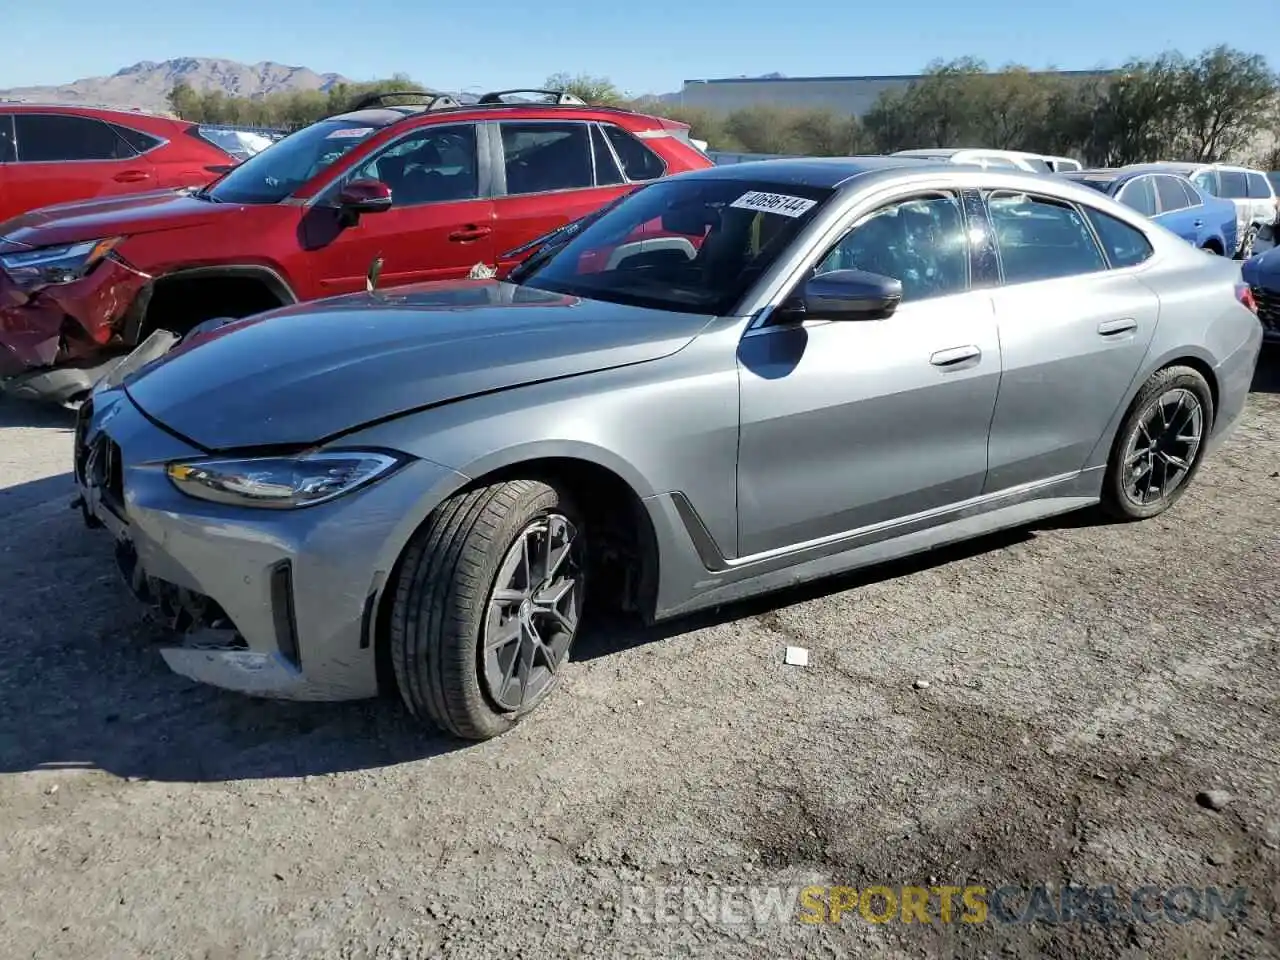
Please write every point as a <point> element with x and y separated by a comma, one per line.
<point>1101,184</point>
<point>691,245</point>
<point>272,175</point>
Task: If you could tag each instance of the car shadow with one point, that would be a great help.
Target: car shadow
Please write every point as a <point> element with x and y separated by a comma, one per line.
<point>35,493</point>
<point>31,413</point>
<point>1266,378</point>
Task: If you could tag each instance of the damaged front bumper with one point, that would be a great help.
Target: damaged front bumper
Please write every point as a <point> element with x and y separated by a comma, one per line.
<point>56,340</point>
<point>269,603</point>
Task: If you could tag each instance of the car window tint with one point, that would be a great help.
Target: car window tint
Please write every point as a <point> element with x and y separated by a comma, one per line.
<point>1041,239</point>
<point>1207,183</point>
<point>1171,194</point>
<point>7,152</point>
<point>638,161</point>
<point>137,140</point>
<point>1232,184</point>
<point>920,242</point>
<point>546,156</point>
<point>1258,186</point>
<point>1126,246</point>
<point>607,172</point>
<point>435,165</point>
<point>46,138</point>
<point>1139,194</point>
<point>1193,198</point>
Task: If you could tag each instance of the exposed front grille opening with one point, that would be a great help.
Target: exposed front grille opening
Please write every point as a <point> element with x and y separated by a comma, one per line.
<point>199,618</point>
<point>1268,309</point>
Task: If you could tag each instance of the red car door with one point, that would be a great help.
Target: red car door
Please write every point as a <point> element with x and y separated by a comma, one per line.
<point>8,202</point>
<point>62,158</point>
<point>440,224</point>
<point>549,172</point>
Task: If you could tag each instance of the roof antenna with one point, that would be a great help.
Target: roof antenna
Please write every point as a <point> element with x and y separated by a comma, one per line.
<point>371,278</point>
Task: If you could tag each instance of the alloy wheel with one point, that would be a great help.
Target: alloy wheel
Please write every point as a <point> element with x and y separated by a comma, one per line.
<point>533,612</point>
<point>1163,448</point>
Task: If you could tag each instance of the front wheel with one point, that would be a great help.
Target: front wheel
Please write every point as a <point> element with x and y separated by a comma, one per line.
<point>1158,448</point>
<point>487,606</point>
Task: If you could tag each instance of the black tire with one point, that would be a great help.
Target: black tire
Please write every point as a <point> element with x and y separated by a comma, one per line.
<point>1117,501</point>
<point>442,600</point>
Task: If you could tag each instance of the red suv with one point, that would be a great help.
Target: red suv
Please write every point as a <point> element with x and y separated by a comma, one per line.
<point>435,190</point>
<point>58,154</point>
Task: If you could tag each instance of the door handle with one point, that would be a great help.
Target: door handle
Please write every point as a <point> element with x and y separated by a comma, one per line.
<point>1197,223</point>
<point>470,232</point>
<point>131,176</point>
<point>949,358</point>
<point>1109,328</point>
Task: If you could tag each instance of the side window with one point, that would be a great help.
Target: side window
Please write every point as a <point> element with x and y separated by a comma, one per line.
<point>1193,198</point>
<point>1041,239</point>
<point>1139,194</point>
<point>921,242</point>
<point>435,165</point>
<point>639,163</point>
<point>7,152</point>
<point>1171,195</point>
<point>1233,184</point>
<point>1258,186</point>
<point>1207,182</point>
<point>48,138</point>
<point>541,156</point>
<point>607,172</point>
<point>1125,246</point>
<point>138,141</point>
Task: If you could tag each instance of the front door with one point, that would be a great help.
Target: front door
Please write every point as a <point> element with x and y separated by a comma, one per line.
<point>1074,327</point>
<point>440,225</point>
<point>849,424</point>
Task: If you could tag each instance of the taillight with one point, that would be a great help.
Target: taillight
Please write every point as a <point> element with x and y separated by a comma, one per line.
<point>1245,296</point>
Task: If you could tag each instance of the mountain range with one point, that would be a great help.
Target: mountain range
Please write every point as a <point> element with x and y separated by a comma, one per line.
<point>147,84</point>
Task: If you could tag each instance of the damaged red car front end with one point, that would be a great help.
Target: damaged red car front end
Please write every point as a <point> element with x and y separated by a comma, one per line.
<point>61,319</point>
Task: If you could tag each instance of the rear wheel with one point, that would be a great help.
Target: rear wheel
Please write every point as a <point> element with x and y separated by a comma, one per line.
<point>1159,447</point>
<point>487,606</point>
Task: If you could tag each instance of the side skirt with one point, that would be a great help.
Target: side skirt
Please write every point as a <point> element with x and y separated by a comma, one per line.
<point>717,580</point>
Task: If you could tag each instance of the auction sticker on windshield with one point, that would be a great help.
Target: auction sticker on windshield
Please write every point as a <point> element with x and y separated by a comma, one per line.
<point>346,132</point>
<point>781,203</point>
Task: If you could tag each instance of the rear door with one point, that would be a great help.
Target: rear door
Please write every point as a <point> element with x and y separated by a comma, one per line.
<point>1075,323</point>
<point>62,158</point>
<point>440,225</point>
<point>1140,194</point>
<point>1175,212</point>
<point>546,173</point>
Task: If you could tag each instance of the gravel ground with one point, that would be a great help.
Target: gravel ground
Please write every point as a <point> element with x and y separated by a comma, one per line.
<point>1038,707</point>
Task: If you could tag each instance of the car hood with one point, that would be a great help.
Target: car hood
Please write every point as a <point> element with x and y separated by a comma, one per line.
<point>111,217</point>
<point>308,372</point>
<point>1263,271</point>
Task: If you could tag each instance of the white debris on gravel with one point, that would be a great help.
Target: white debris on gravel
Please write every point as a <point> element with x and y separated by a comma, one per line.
<point>796,657</point>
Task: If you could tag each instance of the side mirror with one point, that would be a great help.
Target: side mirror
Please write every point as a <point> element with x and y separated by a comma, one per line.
<point>364,196</point>
<point>846,295</point>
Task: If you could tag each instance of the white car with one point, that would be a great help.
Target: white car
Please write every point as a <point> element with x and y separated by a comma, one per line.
<point>999,159</point>
<point>1250,190</point>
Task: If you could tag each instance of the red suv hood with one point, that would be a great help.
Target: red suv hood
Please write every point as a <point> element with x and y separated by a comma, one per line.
<point>111,217</point>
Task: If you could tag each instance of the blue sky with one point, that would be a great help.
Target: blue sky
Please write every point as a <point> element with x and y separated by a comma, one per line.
<point>502,43</point>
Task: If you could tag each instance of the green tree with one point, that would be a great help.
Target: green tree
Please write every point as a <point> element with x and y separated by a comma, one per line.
<point>1227,96</point>
<point>595,90</point>
<point>1009,108</point>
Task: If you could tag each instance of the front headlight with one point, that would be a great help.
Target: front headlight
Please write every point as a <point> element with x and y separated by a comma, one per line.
<point>283,483</point>
<point>61,264</point>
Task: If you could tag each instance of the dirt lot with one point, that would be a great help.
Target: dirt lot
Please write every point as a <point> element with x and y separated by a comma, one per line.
<point>1084,683</point>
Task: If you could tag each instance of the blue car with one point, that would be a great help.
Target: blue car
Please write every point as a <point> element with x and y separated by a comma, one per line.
<point>1262,273</point>
<point>1172,201</point>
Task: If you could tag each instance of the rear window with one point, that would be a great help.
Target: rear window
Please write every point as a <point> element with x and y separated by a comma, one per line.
<point>1038,165</point>
<point>1258,186</point>
<point>639,163</point>
<point>7,152</point>
<point>1232,184</point>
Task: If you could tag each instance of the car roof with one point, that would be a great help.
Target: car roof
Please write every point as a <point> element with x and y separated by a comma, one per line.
<point>1167,166</point>
<point>31,106</point>
<point>386,114</point>
<point>829,172</point>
